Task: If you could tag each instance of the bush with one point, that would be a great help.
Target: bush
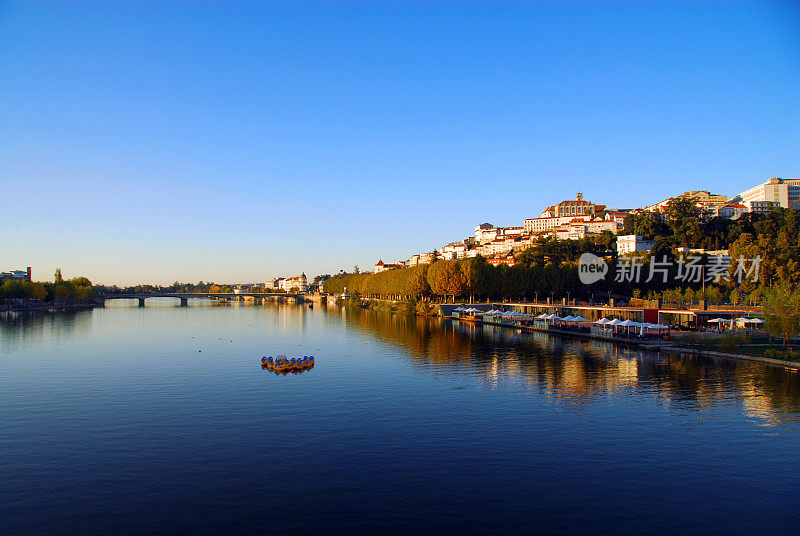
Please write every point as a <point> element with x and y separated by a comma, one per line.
<point>787,355</point>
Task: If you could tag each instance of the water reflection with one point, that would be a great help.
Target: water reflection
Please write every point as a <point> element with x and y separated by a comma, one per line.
<point>19,327</point>
<point>577,373</point>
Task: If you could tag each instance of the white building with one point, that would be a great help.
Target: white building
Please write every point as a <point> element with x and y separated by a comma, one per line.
<point>633,243</point>
<point>299,282</point>
<point>732,210</point>
<point>783,192</point>
<point>454,250</point>
<point>380,266</point>
<point>549,223</point>
<point>485,232</point>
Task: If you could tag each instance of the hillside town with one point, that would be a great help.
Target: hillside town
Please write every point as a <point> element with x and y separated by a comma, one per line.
<point>579,218</point>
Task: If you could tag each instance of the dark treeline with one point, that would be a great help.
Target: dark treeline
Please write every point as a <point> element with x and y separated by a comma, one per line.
<point>184,288</point>
<point>176,287</point>
<point>550,267</point>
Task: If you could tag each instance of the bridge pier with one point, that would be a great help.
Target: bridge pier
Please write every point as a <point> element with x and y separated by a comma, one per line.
<point>184,302</point>
<point>141,302</point>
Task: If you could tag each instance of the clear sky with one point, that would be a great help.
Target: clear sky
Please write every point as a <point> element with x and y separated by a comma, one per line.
<point>236,141</point>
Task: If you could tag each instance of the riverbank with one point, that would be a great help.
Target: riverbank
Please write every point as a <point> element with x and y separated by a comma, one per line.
<point>651,344</point>
<point>25,305</point>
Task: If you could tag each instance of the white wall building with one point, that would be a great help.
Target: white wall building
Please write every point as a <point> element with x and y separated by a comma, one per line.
<point>541,225</point>
<point>300,282</point>
<point>486,232</point>
<point>633,243</point>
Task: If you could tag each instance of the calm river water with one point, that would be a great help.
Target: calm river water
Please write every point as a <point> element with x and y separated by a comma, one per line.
<point>129,420</point>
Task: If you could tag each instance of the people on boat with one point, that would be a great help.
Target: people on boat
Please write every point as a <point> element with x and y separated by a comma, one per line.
<point>283,365</point>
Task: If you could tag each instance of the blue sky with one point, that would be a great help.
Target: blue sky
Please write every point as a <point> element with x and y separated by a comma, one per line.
<point>240,141</point>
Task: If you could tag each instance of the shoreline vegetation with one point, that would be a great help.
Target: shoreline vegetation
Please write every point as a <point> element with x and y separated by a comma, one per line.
<point>550,267</point>
<point>20,294</point>
<point>548,271</point>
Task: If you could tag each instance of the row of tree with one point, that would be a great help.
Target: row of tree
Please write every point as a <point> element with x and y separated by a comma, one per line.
<point>77,289</point>
<point>548,269</point>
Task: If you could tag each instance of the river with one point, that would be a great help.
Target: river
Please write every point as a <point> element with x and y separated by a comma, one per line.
<point>130,420</point>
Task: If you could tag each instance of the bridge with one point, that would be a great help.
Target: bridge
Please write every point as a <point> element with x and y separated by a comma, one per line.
<point>184,297</point>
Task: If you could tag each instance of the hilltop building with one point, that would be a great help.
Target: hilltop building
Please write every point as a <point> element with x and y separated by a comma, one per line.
<point>575,207</point>
<point>705,200</point>
<point>774,192</point>
<point>564,213</point>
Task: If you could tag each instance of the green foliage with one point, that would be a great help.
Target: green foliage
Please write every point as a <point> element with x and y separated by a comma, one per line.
<point>650,225</point>
<point>786,355</point>
<point>685,219</point>
<point>16,288</point>
<point>355,299</point>
<point>781,307</point>
<point>411,306</point>
<point>78,289</point>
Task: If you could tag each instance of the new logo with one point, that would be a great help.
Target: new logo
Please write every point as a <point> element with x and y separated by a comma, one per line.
<point>591,268</point>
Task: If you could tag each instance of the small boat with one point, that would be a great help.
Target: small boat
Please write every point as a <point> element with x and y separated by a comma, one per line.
<point>283,365</point>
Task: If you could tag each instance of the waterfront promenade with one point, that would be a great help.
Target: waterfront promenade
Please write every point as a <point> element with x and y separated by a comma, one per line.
<point>657,344</point>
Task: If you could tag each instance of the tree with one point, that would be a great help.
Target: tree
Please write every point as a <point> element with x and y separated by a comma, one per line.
<point>685,219</point>
<point>781,306</point>
<point>58,278</point>
<point>649,225</point>
<point>735,296</point>
<point>355,299</point>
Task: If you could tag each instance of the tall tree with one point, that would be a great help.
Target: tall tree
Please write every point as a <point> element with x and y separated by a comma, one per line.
<point>781,306</point>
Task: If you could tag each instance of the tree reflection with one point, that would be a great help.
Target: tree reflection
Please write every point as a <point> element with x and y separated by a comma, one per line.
<point>579,372</point>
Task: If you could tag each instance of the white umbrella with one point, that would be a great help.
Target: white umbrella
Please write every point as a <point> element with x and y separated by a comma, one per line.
<point>756,321</point>
<point>602,321</point>
<point>615,322</point>
<point>569,318</point>
<point>627,323</point>
<point>542,316</point>
<point>713,320</point>
<point>579,318</point>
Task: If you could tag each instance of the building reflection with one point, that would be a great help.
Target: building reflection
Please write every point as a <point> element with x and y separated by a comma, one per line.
<point>577,373</point>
